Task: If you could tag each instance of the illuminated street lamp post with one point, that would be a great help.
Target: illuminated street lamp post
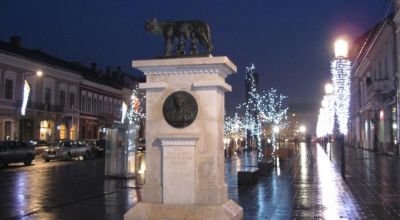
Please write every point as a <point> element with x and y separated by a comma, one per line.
<point>340,68</point>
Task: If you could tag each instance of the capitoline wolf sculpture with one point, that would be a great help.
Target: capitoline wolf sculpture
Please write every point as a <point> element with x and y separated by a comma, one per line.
<point>178,32</point>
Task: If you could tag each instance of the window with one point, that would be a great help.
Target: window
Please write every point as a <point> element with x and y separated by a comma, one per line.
<point>94,104</point>
<point>386,72</point>
<point>62,98</point>
<point>100,106</point>
<point>9,89</point>
<point>71,100</point>
<point>7,130</point>
<point>83,103</point>
<point>89,104</point>
<point>47,96</point>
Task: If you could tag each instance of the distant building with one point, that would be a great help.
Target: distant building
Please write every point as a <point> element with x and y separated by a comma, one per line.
<point>68,101</point>
<point>373,121</point>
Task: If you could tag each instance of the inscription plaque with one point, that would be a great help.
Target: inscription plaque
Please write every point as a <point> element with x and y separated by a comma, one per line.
<point>178,174</point>
<point>180,109</point>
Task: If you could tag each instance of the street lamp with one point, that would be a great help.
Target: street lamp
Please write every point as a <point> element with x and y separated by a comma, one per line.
<point>302,129</point>
<point>341,48</point>
<point>328,88</point>
<point>39,73</point>
<point>340,69</point>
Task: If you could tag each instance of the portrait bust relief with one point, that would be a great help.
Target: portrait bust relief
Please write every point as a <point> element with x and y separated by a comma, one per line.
<point>180,109</point>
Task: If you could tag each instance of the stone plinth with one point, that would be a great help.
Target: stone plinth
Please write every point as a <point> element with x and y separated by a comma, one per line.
<point>153,211</point>
<point>185,166</point>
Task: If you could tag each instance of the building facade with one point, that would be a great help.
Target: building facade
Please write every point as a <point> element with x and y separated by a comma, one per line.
<point>68,101</point>
<point>373,111</point>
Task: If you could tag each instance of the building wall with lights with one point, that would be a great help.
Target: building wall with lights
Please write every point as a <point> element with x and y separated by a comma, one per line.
<point>54,102</point>
<point>373,99</point>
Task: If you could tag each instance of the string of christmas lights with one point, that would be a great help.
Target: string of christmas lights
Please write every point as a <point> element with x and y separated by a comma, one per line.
<point>265,109</point>
<point>340,68</point>
<point>135,110</point>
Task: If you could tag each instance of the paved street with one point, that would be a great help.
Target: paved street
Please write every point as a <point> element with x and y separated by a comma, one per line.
<point>305,185</point>
<point>63,190</point>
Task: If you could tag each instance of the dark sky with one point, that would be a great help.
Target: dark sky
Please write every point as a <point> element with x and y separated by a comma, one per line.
<point>290,42</point>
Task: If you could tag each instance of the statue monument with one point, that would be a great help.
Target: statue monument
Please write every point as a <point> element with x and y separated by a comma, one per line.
<point>195,31</point>
<point>185,164</point>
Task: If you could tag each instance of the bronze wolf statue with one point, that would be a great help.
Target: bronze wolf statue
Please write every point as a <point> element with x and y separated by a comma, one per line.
<point>197,31</point>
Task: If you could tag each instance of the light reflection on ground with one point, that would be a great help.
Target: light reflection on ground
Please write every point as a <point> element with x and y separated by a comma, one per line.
<point>331,186</point>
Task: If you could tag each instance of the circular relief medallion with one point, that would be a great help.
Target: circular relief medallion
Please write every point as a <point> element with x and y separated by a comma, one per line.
<point>180,109</point>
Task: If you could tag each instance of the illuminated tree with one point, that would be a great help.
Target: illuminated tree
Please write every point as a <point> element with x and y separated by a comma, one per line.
<point>234,128</point>
<point>134,115</point>
<point>264,109</point>
<point>135,111</point>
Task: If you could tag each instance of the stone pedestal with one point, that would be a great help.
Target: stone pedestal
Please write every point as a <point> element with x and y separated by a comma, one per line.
<point>185,177</point>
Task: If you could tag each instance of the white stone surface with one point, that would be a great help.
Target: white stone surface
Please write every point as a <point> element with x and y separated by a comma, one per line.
<point>178,169</point>
<point>153,211</point>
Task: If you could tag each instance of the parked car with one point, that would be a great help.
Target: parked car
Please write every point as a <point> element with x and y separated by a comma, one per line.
<point>66,150</point>
<point>141,145</point>
<point>16,152</point>
<point>39,145</point>
<point>100,148</point>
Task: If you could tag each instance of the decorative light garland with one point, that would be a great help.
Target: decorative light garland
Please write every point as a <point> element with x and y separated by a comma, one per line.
<point>340,69</point>
<point>27,90</point>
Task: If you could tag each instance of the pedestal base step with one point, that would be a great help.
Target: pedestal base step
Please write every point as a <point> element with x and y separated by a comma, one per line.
<point>248,175</point>
<point>158,211</point>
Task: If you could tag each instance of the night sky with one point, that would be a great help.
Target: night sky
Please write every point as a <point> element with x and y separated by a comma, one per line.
<point>290,42</point>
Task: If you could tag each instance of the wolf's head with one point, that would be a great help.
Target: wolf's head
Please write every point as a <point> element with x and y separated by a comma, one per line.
<point>151,25</point>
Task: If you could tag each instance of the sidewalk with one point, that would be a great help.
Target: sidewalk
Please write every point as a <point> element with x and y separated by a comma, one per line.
<point>374,179</point>
<point>309,185</point>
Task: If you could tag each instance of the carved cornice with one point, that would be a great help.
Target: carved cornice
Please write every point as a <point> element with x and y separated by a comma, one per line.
<point>222,85</point>
<point>205,65</point>
<point>187,70</point>
<point>160,85</point>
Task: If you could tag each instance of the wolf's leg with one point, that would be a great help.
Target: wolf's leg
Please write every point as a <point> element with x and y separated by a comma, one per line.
<point>168,46</point>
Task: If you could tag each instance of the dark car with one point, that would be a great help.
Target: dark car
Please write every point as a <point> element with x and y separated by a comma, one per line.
<point>39,145</point>
<point>100,148</point>
<point>141,145</point>
<point>66,150</point>
<point>16,152</point>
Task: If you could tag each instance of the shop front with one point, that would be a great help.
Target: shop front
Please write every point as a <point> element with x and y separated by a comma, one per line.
<point>46,131</point>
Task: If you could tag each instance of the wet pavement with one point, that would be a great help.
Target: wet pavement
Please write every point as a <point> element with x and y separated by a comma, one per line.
<point>305,185</point>
<point>64,190</point>
<point>309,185</point>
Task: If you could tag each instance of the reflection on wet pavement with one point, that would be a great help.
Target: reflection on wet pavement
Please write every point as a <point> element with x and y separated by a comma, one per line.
<point>64,190</point>
<point>305,184</point>
<point>308,185</point>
